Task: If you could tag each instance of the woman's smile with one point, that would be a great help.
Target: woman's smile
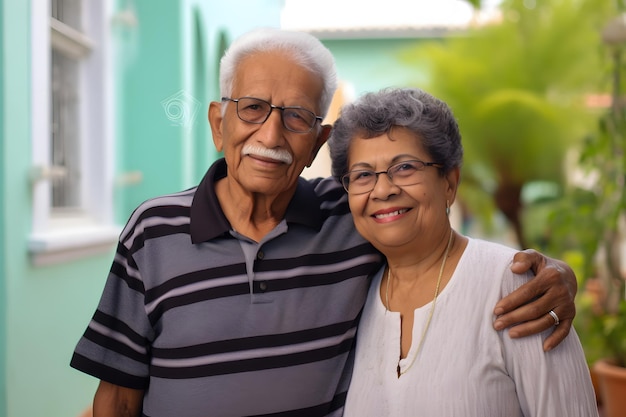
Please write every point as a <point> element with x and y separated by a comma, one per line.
<point>388,215</point>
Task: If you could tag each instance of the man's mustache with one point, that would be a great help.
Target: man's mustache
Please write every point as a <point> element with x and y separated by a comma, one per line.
<point>277,154</point>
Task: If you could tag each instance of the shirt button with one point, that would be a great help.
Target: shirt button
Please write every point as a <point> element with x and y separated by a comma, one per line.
<point>260,255</point>
<point>263,286</point>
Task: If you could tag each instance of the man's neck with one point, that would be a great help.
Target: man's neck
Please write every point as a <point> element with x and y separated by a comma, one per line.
<point>251,214</point>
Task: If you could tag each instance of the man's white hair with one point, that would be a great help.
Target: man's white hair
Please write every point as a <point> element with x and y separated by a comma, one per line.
<point>305,49</point>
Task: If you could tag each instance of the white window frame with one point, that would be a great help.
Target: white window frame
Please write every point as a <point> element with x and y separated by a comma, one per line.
<point>91,229</point>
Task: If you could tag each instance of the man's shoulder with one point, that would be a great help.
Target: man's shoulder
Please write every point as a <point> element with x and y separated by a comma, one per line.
<point>165,208</point>
<point>328,189</point>
<point>181,200</point>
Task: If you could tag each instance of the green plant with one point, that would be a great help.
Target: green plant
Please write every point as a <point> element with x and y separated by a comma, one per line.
<point>615,332</point>
<point>602,334</point>
<point>597,224</point>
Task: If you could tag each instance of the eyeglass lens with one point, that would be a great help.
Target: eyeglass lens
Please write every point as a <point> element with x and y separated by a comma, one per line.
<point>255,110</point>
<point>402,173</point>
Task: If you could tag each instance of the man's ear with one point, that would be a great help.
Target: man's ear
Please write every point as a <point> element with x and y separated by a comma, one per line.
<point>321,139</point>
<point>215,120</point>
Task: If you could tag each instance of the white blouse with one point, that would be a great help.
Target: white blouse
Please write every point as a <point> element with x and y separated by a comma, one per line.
<point>465,368</point>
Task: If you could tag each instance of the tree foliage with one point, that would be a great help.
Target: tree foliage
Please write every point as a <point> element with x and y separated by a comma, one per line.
<point>518,89</point>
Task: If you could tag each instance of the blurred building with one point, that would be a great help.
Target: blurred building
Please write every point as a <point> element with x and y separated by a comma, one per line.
<point>104,105</point>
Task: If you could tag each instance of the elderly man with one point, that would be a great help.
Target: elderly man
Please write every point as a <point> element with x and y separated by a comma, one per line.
<point>242,296</point>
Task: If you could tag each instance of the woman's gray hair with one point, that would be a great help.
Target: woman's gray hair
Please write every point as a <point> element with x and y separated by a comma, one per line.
<point>305,49</point>
<point>374,114</point>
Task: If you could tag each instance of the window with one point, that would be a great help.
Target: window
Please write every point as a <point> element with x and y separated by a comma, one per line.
<point>72,128</point>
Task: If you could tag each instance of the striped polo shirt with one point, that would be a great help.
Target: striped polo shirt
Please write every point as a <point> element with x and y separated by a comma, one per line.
<point>211,323</point>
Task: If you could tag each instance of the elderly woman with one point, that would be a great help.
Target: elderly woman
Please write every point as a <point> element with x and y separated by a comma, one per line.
<point>426,345</point>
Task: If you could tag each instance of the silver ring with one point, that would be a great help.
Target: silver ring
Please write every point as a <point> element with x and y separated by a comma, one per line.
<point>555,317</point>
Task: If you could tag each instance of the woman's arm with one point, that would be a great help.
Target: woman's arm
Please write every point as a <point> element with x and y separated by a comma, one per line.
<point>555,383</point>
<point>117,401</point>
<point>554,288</point>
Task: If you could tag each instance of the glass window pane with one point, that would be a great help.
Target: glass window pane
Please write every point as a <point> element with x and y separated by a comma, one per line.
<point>68,12</point>
<point>65,149</point>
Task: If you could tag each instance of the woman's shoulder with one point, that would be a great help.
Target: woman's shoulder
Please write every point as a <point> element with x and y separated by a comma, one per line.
<point>494,262</point>
<point>490,251</point>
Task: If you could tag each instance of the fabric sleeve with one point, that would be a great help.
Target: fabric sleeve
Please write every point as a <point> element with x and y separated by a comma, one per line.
<point>115,345</point>
<point>555,383</point>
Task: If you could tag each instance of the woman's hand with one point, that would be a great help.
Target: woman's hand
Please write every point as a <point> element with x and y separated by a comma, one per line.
<point>553,289</point>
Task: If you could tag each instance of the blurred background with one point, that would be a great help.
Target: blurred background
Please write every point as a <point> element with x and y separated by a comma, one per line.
<point>104,105</point>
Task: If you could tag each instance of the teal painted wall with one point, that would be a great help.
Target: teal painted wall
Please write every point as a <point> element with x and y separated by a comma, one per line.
<point>3,164</point>
<point>16,209</point>
<point>46,309</point>
<point>372,64</point>
<point>149,141</point>
<point>52,307</point>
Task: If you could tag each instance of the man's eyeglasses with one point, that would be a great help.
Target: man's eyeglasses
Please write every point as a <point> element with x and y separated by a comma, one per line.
<point>254,110</point>
<point>361,181</point>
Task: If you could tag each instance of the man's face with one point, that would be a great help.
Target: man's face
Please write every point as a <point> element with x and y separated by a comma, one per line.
<point>275,78</point>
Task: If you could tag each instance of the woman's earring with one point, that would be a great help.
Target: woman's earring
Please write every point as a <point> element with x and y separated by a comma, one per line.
<point>447,208</point>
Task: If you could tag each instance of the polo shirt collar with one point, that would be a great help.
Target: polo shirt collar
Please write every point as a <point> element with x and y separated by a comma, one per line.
<point>207,219</point>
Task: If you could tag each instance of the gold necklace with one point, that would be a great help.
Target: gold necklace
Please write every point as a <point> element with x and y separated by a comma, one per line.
<point>432,307</point>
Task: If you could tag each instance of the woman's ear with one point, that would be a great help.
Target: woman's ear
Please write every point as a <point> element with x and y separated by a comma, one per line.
<point>452,180</point>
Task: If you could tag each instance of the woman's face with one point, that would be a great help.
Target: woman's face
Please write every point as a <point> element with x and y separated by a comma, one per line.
<point>392,216</point>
